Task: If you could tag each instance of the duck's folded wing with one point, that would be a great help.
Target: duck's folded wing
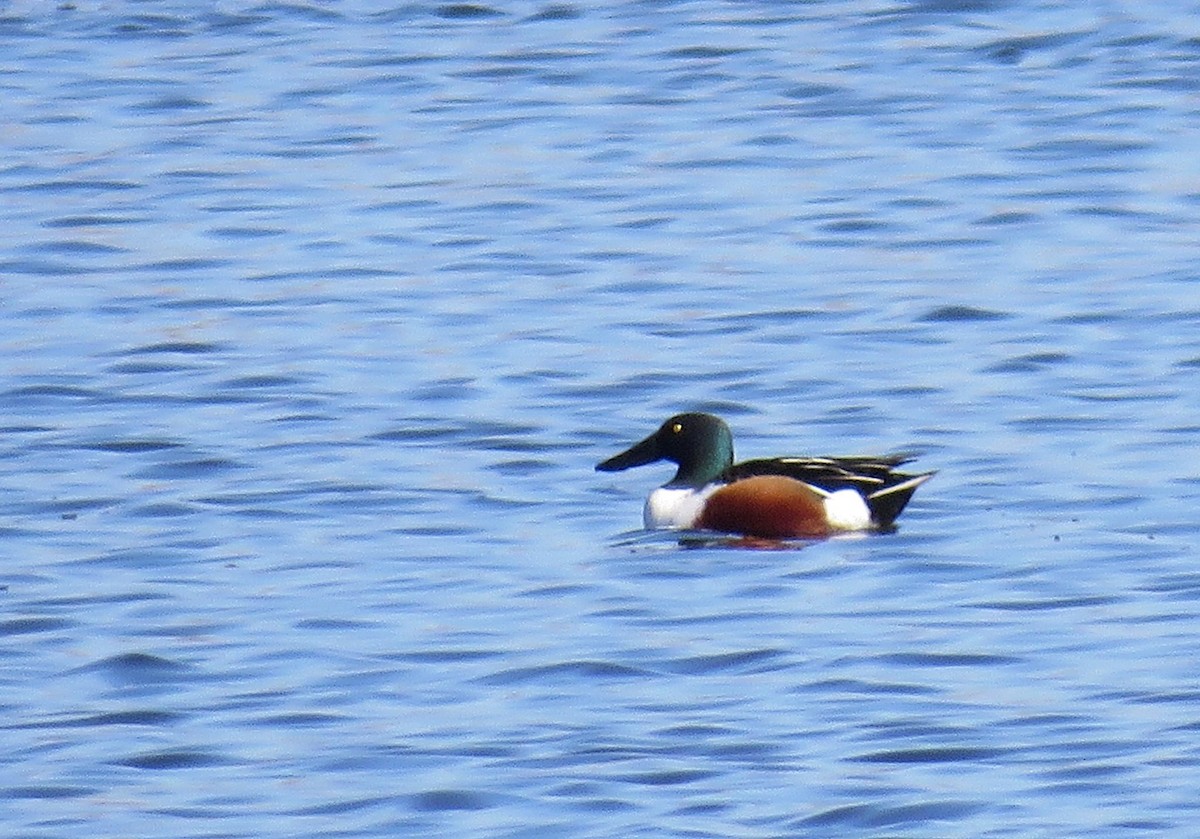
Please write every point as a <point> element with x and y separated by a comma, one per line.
<point>864,473</point>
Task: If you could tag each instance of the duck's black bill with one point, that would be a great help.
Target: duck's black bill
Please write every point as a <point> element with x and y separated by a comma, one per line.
<point>639,454</point>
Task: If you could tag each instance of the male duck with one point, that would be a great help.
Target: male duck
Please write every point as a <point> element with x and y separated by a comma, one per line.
<point>771,498</point>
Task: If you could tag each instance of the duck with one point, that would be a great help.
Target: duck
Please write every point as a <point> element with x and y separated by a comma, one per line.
<point>770,498</point>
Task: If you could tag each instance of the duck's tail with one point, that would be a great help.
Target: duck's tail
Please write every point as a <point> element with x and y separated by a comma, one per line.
<point>887,503</point>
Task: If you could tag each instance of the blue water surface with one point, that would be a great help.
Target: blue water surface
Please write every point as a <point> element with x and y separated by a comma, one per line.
<point>316,317</point>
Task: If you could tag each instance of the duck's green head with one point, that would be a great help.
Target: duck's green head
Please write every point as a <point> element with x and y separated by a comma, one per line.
<point>701,444</point>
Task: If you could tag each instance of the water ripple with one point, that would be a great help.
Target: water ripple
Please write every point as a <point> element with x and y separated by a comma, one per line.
<point>569,671</point>
<point>173,759</point>
<point>876,816</point>
<point>935,754</point>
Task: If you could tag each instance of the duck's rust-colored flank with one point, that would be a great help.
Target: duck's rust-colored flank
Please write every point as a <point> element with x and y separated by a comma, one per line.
<point>771,506</point>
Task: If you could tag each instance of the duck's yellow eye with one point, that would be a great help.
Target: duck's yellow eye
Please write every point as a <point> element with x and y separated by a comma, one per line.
<point>677,427</point>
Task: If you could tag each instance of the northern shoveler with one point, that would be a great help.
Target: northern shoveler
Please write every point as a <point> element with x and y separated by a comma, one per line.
<point>772,498</point>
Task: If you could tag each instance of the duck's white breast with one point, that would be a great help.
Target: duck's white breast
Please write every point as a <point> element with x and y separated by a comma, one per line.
<point>674,507</point>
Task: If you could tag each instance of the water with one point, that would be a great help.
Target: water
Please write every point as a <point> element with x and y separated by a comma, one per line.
<point>317,317</point>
